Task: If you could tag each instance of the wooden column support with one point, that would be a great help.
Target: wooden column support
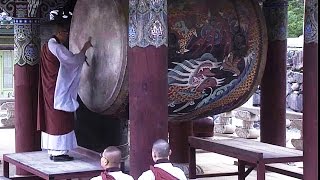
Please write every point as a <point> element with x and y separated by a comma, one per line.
<point>148,109</point>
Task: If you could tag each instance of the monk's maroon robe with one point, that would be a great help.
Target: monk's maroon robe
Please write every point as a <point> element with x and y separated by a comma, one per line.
<point>106,176</point>
<point>161,174</point>
<point>49,120</point>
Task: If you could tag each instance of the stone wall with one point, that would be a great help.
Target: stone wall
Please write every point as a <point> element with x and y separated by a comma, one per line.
<point>294,88</point>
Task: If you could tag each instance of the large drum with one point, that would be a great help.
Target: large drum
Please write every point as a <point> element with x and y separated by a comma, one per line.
<point>103,84</point>
<point>217,52</point>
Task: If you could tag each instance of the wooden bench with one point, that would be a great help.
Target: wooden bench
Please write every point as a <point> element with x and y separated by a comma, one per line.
<point>283,169</point>
<point>256,155</point>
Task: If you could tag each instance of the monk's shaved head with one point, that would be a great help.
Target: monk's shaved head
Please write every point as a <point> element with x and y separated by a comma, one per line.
<point>112,154</point>
<point>161,148</point>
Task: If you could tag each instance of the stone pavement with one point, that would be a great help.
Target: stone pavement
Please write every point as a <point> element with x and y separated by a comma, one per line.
<point>7,139</point>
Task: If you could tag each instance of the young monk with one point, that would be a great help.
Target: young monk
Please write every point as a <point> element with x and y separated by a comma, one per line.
<point>110,162</point>
<point>162,169</point>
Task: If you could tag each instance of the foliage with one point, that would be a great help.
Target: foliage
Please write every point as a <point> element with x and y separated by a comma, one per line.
<point>295,18</point>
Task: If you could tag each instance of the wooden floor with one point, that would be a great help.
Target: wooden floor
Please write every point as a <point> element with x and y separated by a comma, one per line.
<point>208,162</point>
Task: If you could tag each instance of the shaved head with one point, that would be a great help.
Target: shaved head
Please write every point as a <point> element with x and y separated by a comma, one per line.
<point>161,148</point>
<point>112,154</point>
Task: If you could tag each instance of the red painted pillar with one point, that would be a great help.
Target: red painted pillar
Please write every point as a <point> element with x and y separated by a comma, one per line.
<point>26,93</point>
<point>178,138</point>
<point>148,109</point>
<point>179,131</point>
<point>26,71</point>
<point>148,80</point>
<point>310,91</point>
<point>273,83</point>
<point>203,127</point>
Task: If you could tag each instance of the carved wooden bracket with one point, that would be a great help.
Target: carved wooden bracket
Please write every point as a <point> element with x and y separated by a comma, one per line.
<point>276,13</point>
<point>8,6</point>
<point>311,22</point>
<point>148,23</point>
<point>34,8</point>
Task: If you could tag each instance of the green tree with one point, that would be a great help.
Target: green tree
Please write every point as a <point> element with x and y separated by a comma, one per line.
<point>295,18</point>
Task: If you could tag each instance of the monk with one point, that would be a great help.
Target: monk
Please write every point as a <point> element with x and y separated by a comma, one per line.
<point>57,96</point>
<point>162,169</point>
<point>110,162</point>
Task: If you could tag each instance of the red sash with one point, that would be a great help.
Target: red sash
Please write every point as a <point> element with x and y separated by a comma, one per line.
<point>161,174</point>
<point>106,176</point>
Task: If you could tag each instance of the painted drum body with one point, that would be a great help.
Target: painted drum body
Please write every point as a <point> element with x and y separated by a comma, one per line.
<point>103,84</point>
<point>217,54</point>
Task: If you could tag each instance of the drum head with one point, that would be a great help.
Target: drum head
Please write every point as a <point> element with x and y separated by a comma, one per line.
<point>102,83</point>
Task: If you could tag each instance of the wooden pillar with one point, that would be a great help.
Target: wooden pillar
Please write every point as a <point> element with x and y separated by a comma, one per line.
<point>310,91</point>
<point>273,84</point>
<point>26,71</point>
<point>179,131</point>
<point>178,138</point>
<point>148,112</point>
<point>203,127</point>
<point>147,64</point>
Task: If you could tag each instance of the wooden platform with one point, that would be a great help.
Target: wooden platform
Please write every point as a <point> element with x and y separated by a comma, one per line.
<point>85,164</point>
<point>3,178</point>
<point>248,152</point>
<point>208,161</point>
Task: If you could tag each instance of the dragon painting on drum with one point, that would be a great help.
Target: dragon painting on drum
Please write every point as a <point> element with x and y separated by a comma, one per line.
<point>217,53</point>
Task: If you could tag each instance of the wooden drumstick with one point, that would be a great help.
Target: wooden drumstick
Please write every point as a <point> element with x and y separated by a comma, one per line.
<point>85,60</point>
<point>86,56</point>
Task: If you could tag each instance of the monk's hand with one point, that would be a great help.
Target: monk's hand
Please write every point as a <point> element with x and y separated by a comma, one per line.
<point>85,47</point>
<point>85,60</point>
<point>88,44</point>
